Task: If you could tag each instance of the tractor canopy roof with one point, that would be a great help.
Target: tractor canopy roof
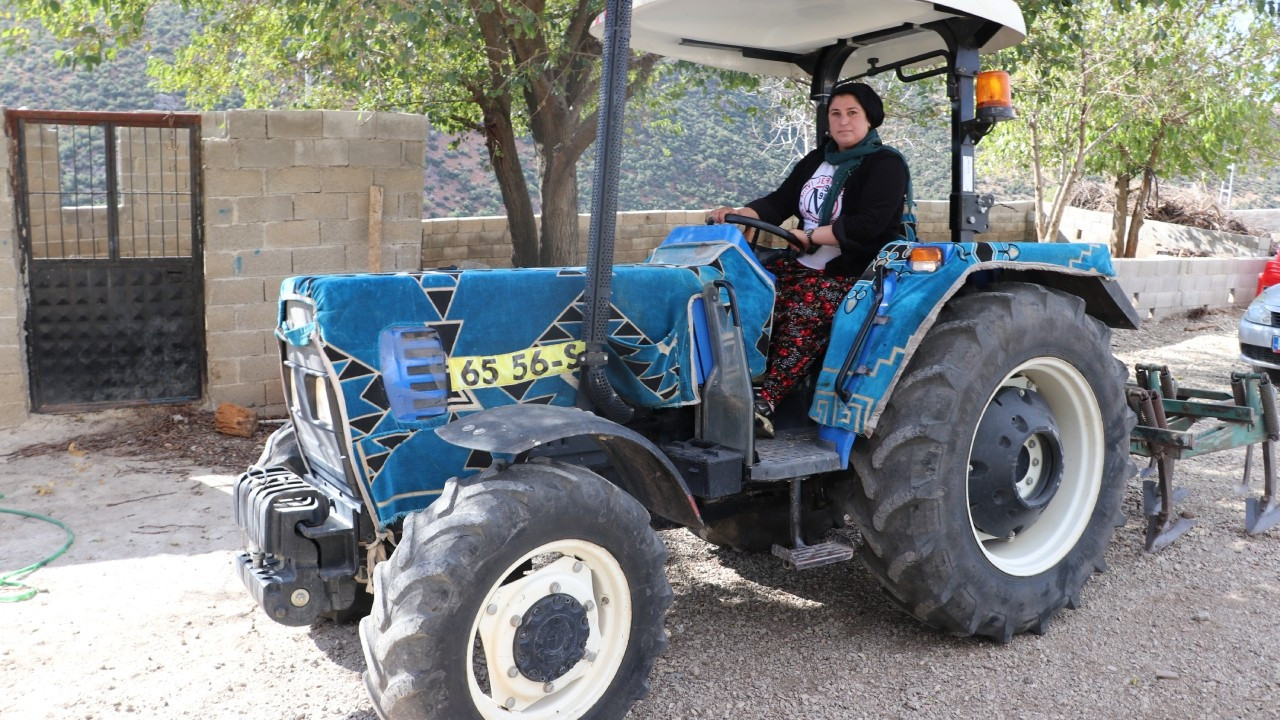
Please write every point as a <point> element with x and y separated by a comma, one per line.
<point>768,37</point>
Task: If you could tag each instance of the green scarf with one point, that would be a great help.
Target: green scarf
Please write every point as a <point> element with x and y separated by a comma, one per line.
<point>845,162</point>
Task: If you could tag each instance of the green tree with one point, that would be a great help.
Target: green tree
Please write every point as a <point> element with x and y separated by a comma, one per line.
<point>1135,91</point>
<point>497,68</point>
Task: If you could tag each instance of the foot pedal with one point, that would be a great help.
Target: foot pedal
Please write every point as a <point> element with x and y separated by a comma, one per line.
<point>811,556</point>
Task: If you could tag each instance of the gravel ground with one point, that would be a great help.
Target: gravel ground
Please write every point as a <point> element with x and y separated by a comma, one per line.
<point>143,616</point>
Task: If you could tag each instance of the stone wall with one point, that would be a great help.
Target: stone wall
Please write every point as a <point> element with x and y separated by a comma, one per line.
<point>288,193</point>
<point>13,361</point>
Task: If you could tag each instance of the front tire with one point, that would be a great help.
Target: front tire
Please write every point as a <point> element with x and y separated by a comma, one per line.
<point>535,592</point>
<point>993,482</point>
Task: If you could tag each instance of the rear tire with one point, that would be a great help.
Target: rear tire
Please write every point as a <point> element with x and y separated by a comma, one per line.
<point>922,527</point>
<point>460,629</point>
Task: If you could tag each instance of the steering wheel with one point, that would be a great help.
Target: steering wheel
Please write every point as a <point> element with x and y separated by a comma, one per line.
<point>767,227</point>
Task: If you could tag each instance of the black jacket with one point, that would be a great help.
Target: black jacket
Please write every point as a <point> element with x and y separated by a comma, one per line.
<point>871,209</point>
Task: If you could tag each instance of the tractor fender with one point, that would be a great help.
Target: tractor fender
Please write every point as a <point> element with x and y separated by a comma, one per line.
<point>910,305</point>
<point>642,469</point>
<point>1103,297</point>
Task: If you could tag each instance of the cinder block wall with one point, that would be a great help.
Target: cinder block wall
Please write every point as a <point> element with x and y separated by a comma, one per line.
<point>288,193</point>
<point>1162,286</point>
<point>486,240</point>
<point>1080,225</point>
<point>13,361</point>
<point>1009,222</point>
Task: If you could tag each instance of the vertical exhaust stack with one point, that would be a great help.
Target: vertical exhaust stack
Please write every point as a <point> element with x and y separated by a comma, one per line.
<point>600,395</point>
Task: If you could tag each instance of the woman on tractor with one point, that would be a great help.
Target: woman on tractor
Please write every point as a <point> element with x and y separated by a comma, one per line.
<point>848,195</point>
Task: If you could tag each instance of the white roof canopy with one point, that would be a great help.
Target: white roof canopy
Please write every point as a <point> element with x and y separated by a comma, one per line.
<point>747,35</point>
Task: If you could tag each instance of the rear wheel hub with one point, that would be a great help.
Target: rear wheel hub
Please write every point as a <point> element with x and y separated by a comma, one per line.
<point>552,637</point>
<point>1016,464</point>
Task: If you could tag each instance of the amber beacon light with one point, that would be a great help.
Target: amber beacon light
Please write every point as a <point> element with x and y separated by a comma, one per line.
<point>994,96</point>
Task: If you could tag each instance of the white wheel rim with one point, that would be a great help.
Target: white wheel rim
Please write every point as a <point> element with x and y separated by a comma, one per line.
<point>591,575</point>
<point>1063,522</point>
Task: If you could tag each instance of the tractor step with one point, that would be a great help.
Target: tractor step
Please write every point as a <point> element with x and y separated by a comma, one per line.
<point>793,453</point>
<point>811,556</point>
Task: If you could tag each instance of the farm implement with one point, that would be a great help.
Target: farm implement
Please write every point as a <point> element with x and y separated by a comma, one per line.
<point>1176,423</point>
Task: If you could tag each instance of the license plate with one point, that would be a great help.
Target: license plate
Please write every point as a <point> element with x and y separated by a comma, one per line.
<point>1275,344</point>
<point>479,371</point>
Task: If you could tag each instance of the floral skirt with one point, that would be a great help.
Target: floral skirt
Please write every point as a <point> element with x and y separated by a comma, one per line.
<point>806,301</point>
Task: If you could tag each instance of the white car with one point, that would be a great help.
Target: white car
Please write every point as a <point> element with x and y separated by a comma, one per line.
<point>1260,333</point>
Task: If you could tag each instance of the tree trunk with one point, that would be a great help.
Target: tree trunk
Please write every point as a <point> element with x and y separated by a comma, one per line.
<point>1118,214</point>
<point>1144,193</point>
<point>500,141</point>
<point>1138,215</point>
<point>560,211</point>
<point>1042,220</point>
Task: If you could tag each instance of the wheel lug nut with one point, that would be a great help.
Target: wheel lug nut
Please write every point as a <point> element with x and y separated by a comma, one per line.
<point>492,609</point>
<point>555,588</point>
<point>549,688</point>
<point>513,672</point>
<point>515,621</point>
<point>510,703</point>
<point>577,567</point>
<point>589,605</point>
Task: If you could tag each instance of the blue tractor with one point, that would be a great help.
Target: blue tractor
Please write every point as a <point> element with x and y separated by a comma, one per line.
<point>483,456</point>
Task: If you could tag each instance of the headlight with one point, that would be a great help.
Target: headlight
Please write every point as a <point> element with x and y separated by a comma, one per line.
<point>1258,313</point>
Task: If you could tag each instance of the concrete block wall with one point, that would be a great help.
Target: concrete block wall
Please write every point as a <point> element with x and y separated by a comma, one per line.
<point>1008,222</point>
<point>13,358</point>
<point>1162,286</point>
<point>288,193</point>
<point>1079,225</point>
<point>486,241</point>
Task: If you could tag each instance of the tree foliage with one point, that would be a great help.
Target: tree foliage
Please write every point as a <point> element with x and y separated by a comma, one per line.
<point>497,68</point>
<point>1136,91</point>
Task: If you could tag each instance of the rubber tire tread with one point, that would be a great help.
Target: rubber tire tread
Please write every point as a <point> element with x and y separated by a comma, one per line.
<point>427,594</point>
<point>918,540</point>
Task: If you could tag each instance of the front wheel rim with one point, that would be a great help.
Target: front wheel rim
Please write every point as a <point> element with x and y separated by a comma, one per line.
<point>1064,521</point>
<point>577,568</point>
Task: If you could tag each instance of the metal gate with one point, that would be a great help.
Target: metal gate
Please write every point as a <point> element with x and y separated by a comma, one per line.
<point>109,221</point>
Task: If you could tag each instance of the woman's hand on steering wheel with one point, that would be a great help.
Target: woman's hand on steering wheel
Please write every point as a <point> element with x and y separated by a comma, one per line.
<point>719,214</point>
<point>796,242</point>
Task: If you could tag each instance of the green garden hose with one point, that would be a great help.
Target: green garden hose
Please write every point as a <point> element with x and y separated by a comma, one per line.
<point>10,589</point>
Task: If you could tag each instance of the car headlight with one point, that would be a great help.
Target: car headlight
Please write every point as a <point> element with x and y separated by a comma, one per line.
<point>1258,313</point>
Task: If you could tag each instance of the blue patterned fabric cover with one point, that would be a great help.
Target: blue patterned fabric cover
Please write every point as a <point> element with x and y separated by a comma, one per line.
<point>912,301</point>
<point>491,312</point>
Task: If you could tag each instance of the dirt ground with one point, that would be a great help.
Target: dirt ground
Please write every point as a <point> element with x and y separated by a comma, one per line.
<point>143,617</point>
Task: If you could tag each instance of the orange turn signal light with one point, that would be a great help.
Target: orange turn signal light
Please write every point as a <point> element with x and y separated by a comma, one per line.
<point>994,95</point>
<point>925,259</point>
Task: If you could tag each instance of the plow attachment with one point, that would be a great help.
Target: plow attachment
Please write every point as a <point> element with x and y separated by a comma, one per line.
<point>1245,417</point>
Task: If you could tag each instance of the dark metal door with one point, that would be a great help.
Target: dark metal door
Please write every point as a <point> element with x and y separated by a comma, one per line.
<point>109,219</point>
